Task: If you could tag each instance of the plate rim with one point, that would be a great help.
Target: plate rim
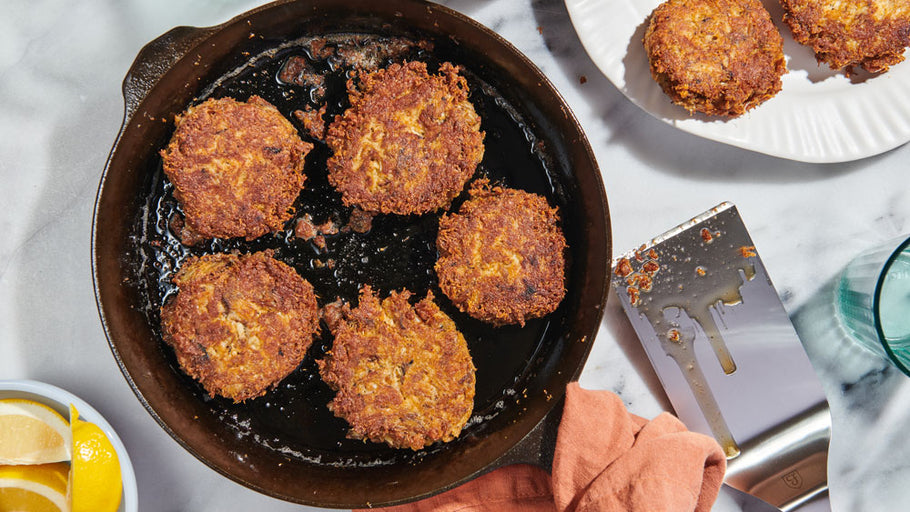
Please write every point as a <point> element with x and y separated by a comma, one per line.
<point>854,142</point>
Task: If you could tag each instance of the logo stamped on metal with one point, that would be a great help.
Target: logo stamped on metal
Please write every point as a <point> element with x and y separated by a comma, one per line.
<point>793,479</point>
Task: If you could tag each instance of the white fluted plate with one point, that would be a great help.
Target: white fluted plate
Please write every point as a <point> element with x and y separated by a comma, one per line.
<point>819,115</point>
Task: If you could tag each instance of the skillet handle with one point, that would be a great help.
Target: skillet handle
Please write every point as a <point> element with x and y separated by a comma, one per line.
<point>155,59</point>
<point>537,448</point>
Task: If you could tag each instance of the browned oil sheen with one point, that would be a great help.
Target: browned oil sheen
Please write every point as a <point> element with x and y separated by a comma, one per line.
<point>398,252</point>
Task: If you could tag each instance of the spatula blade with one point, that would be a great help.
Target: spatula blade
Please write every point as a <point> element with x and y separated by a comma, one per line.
<point>722,344</point>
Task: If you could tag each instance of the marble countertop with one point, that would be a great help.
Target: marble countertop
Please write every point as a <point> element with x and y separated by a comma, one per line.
<point>61,66</point>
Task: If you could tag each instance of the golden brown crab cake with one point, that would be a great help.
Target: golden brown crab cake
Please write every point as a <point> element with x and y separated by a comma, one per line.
<point>409,141</point>
<point>501,256</point>
<point>239,324</point>
<point>402,373</point>
<point>872,34</point>
<point>717,57</point>
<point>236,167</point>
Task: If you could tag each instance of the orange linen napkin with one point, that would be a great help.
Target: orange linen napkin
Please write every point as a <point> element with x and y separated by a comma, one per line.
<point>606,460</point>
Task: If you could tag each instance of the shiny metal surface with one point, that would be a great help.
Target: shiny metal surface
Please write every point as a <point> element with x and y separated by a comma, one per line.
<point>788,465</point>
<point>727,354</point>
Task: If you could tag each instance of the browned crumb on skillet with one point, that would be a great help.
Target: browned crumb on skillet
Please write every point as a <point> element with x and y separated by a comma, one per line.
<point>236,167</point>
<point>312,120</point>
<point>354,51</point>
<point>359,221</point>
<point>369,53</point>
<point>501,256</point>
<point>717,57</point>
<point>402,373</point>
<point>298,71</point>
<point>872,34</point>
<point>239,324</point>
<point>409,141</point>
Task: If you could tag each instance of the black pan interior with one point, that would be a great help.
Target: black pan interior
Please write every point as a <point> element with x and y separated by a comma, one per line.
<point>397,253</point>
<point>289,434</point>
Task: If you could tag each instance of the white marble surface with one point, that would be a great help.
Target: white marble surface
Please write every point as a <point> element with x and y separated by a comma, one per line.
<point>61,65</point>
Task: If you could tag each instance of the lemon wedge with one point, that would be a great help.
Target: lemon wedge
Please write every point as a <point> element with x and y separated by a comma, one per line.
<point>95,478</point>
<point>34,488</point>
<point>32,433</point>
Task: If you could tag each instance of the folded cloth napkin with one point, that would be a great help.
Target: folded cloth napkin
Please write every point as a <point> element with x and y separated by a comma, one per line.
<point>606,460</point>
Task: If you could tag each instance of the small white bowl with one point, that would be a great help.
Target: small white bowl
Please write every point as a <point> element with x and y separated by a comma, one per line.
<point>60,400</point>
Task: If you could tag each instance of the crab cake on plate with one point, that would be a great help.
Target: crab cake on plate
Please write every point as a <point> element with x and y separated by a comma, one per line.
<point>872,34</point>
<point>239,324</point>
<point>717,57</point>
<point>237,168</point>
<point>402,373</point>
<point>501,256</point>
<point>409,141</point>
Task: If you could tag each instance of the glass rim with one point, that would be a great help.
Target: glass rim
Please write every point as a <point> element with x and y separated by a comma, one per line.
<point>876,296</point>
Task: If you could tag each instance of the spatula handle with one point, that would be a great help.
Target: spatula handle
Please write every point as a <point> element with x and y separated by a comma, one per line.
<point>787,465</point>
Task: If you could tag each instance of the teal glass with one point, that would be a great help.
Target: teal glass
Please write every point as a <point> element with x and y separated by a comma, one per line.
<point>873,301</point>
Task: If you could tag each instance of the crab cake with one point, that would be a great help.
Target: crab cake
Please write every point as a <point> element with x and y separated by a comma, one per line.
<point>239,324</point>
<point>409,141</point>
<point>718,57</point>
<point>872,34</point>
<point>501,256</point>
<point>402,373</point>
<point>237,168</point>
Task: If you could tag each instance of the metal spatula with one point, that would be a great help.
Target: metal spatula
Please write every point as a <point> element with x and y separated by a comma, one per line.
<point>727,354</point>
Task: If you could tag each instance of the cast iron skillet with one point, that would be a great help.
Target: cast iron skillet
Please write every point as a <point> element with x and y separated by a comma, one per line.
<point>286,444</point>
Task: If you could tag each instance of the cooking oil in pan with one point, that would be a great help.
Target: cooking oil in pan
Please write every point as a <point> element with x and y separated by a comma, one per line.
<point>397,252</point>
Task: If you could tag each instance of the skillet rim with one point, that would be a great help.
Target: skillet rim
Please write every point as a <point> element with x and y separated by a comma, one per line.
<point>202,35</point>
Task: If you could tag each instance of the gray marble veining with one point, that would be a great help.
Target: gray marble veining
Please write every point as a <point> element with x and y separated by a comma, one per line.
<point>61,65</point>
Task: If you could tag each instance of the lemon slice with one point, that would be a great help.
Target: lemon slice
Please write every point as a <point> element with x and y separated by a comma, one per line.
<point>32,433</point>
<point>95,479</point>
<point>34,488</point>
